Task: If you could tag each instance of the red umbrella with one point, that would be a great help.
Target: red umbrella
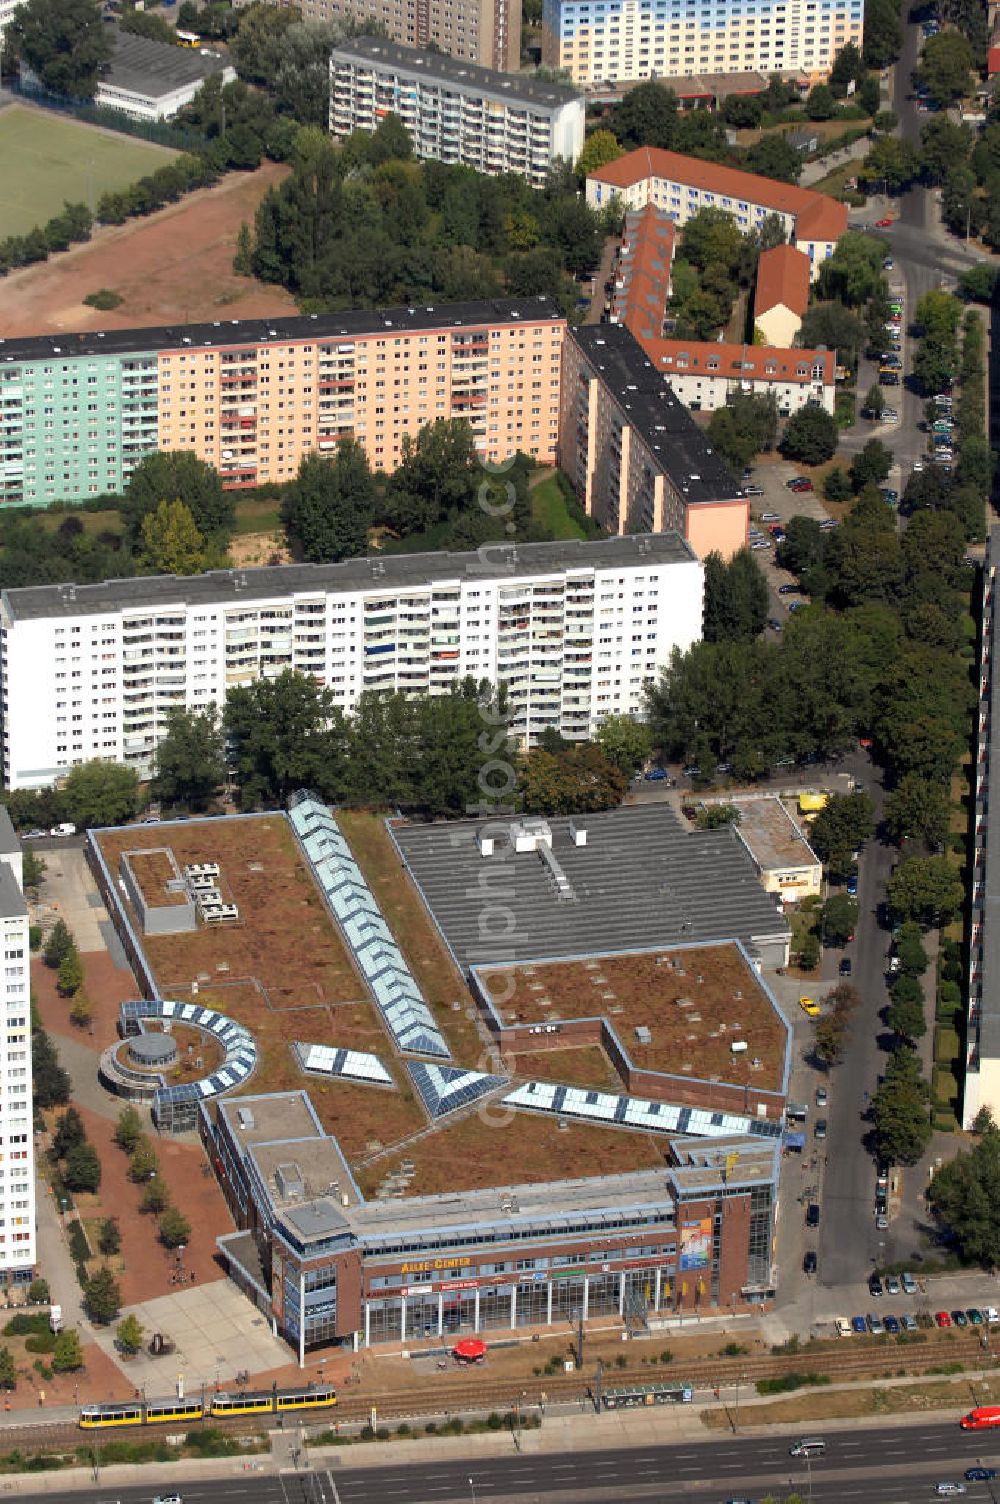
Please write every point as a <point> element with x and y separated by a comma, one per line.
<point>470,1350</point>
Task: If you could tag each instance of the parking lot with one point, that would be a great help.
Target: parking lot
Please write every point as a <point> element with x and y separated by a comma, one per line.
<point>778,501</point>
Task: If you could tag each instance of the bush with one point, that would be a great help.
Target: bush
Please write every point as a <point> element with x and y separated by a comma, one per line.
<point>38,1292</point>
<point>786,1382</point>
<point>41,1343</point>
<point>79,1247</point>
<point>105,298</point>
<point>23,1325</point>
<point>34,936</point>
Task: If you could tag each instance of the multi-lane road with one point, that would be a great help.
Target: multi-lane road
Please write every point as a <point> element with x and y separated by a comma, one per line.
<point>895,1464</point>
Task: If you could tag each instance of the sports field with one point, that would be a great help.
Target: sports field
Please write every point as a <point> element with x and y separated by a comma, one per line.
<point>46,160</point>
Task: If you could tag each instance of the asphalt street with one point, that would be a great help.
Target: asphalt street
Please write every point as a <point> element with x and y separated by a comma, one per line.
<point>894,1463</point>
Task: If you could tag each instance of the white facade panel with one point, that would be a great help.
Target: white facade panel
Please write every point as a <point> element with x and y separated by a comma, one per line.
<point>572,644</point>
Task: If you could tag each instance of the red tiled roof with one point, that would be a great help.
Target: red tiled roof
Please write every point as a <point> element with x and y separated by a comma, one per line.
<point>644,266</point>
<point>782,278</point>
<point>751,362</point>
<point>817,216</point>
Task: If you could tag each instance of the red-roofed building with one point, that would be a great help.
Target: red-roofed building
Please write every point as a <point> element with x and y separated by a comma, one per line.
<point>681,186</point>
<point>703,374</point>
<point>640,282</point>
<point>782,295</point>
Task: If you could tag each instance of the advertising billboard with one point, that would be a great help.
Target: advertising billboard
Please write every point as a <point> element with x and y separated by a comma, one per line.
<point>696,1244</point>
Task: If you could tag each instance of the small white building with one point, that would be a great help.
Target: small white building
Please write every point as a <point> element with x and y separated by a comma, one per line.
<point>456,111</point>
<point>149,80</point>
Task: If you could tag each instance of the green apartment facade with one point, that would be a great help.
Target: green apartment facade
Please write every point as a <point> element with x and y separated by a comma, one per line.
<point>74,426</point>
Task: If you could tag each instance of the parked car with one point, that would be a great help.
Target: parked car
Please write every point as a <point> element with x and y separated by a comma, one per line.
<point>909,1322</point>
<point>852,885</point>
<point>888,378</point>
<point>884,222</point>
<point>769,517</point>
<point>909,1283</point>
<point>959,1318</point>
<point>809,1263</point>
<point>882,1222</point>
<point>975,1316</point>
<point>943,1319</point>
<point>892,1325</point>
<point>874,1286</point>
<point>845,966</point>
<point>822,1096</point>
<point>812,1214</point>
<point>810,1006</point>
<point>892,1285</point>
<point>774,623</point>
<point>656,775</point>
<point>753,490</point>
<point>875,1324</point>
<point>888,264</point>
<point>859,1325</point>
<point>819,1129</point>
<point>788,589</point>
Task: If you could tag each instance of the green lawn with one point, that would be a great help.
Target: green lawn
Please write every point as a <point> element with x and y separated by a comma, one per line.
<point>48,159</point>
<point>549,510</point>
<point>257,515</point>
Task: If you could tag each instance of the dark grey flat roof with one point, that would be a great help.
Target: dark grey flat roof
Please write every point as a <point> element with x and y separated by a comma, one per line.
<point>12,901</point>
<point>642,880</point>
<point>644,395</point>
<point>154,69</point>
<point>8,839</point>
<point>348,324</point>
<point>393,572</point>
<point>415,62</point>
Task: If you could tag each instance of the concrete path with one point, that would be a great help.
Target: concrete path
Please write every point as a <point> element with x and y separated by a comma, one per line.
<point>218,1335</point>
<point>56,1265</point>
<point>68,892</point>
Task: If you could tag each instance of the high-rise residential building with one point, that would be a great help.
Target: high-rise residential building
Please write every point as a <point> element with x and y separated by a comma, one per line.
<point>251,397</point>
<point>632,451</point>
<point>602,42</point>
<point>17,1183</point>
<point>574,630</point>
<point>682,186</point>
<point>981,1086</point>
<point>487,32</point>
<point>456,111</point>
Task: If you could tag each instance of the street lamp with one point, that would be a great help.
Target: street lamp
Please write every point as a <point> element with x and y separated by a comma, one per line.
<point>472,1490</point>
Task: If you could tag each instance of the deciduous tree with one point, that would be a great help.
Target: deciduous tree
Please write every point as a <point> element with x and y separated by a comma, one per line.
<point>102,1295</point>
<point>900,1110</point>
<point>82,1170</point>
<point>190,760</point>
<point>100,793</point>
<point>811,436</point>
<point>328,507</point>
<point>67,1355</point>
<point>64,43</point>
<point>926,889</point>
<point>170,541</point>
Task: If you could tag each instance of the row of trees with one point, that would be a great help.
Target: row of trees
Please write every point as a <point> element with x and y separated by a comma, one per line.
<point>173,1228</point>
<point>426,754</point>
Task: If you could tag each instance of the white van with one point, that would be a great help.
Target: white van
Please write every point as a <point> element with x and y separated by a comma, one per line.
<point>809,1446</point>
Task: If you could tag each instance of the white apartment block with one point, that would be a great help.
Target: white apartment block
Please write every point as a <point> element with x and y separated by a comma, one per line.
<point>17,1171</point>
<point>601,42</point>
<point>455,111</point>
<point>575,630</point>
